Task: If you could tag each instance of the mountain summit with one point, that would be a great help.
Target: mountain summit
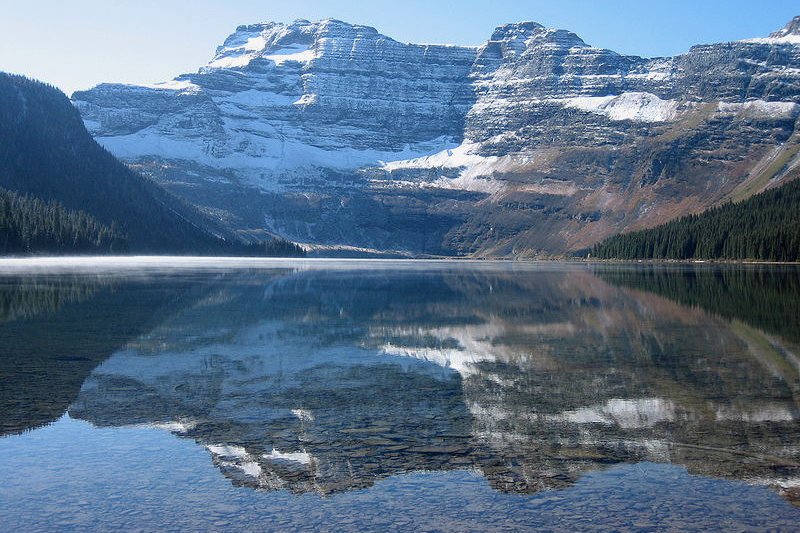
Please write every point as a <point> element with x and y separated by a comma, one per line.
<point>792,29</point>
<point>532,143</point>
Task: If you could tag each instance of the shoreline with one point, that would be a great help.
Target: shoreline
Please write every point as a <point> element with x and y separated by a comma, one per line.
<point>56,263</point>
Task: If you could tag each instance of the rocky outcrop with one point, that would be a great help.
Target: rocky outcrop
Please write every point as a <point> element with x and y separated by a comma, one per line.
<point>535,142</point>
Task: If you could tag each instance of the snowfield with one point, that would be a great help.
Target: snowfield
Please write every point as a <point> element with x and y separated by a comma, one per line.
<point>635,106</point>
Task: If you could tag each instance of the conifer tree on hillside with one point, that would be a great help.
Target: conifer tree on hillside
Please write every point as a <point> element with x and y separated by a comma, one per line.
<point>28,225</point>
<point>765,227</point>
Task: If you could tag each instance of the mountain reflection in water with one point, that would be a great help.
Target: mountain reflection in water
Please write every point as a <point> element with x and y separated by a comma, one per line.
<point>317,380</point>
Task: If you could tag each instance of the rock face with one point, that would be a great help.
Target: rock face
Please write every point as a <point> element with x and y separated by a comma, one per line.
<point>330,133</point>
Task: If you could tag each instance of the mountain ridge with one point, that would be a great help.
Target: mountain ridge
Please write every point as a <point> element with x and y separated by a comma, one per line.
<point>532,143</point>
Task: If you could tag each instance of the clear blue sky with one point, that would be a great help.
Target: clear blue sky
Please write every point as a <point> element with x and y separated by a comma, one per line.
<point>78,43</point>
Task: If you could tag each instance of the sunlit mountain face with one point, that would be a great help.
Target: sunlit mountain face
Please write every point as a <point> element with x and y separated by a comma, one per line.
<point>533,143</point>
<point>328,380</point>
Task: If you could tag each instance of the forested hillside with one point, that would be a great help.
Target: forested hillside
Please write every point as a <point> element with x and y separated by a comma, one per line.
<point>764,227</point>
<point>28,225</point>
<point>46,153</point>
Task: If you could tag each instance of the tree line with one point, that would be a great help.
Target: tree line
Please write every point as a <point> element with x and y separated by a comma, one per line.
<point>765,227</point>
<point>28,224</point>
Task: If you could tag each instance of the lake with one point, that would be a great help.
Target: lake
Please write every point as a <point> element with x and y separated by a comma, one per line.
<point>281,395</point>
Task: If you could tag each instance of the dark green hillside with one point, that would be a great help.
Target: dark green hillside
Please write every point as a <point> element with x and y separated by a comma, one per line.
<point>764,227</point>
<point>46,153</point>
<point>28,225</point>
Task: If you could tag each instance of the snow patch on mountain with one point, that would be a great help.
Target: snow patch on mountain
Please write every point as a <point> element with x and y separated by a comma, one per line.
<point>786,39</point>
<point>239,49</point>
<point>246,151</point>
<point>634,106</point>
<point>475,168</point>
<point>761,109</point>
<point>468,183</point>
<point>759,414</point>
<point>789,34</point>
<point>236,61</point>
<point>462,156</point>
<point>257,98</point>
<point>298,53</point>
<point>174,85</point>
<point>275,42</point>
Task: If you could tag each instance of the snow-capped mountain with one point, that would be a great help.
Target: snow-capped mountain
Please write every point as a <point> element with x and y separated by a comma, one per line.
<point>331,133</point>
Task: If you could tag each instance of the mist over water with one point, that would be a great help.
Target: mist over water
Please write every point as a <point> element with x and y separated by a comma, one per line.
<point>184,393</point>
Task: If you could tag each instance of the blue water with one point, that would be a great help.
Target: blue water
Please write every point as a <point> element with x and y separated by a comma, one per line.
<point>448,397</point>
<point>71,476</point>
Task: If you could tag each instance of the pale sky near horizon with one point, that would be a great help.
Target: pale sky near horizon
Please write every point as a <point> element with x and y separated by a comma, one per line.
<point>79,43</point>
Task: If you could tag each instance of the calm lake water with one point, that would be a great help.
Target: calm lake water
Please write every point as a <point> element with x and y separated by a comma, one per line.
<point>382,396</point>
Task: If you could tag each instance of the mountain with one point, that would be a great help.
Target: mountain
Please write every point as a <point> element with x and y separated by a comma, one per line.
<point>61,179</point>
<point>534,143</point>
<point>764,227</point>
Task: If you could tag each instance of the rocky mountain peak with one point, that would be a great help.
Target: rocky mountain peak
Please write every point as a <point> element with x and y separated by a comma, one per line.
<point>517,31</point>
<point>522,36</point>
<point>257,40</point>
<point>280,42</point>
<point>792,28</point>
<point>511,42</point>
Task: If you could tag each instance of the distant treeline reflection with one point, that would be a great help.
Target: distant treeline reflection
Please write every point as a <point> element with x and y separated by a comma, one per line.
<point>764,297</point>
<point>34,297</point>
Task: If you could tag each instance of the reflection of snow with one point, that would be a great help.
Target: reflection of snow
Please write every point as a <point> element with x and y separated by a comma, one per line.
<point>467,346</point>
<point>627,414</point>
<point>178,426</point>
<point>461,361</point>
<point>294,457</point>
<point>473,345</point>
<point>235,457</point>
<point>303,415</point>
